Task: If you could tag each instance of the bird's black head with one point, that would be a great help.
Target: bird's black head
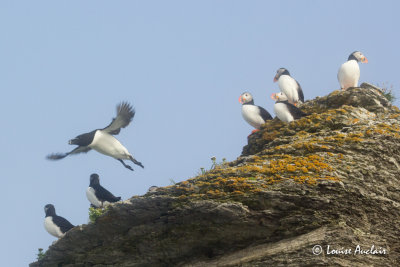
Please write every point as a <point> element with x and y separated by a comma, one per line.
<point>94,179</point>
<point>358,56</point>
<point>83,139</point>
<point>280,72</point>
<point>49,210</point>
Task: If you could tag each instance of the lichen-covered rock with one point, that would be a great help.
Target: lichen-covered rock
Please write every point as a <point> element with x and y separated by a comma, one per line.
<point>331,178</point>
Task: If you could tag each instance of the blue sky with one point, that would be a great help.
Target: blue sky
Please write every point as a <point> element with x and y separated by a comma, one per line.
<point>65,65</point>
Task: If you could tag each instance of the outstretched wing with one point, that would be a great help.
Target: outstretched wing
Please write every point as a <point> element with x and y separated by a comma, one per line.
<point>125,114</point>
<point>300,92</point>
<point>79,149</point>
<point>63,223</point>
<point>296,112</point>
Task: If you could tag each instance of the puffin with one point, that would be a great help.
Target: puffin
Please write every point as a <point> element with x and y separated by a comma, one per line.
<point>284,110</point>
<point>254,115</point>
<point>103,141</point>
<point>97,195</point>
<point>349,72</point>
<point>55,225</point>
<point>289,86</point>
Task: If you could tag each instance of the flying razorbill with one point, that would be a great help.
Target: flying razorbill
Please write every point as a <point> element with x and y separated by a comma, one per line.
<point>97,195</point>
<point>254,115</point>
<point>103,141</point>
<point>289,86</point>
<point>284,110</point>
<point>54,224</point>
<point>349,72</point>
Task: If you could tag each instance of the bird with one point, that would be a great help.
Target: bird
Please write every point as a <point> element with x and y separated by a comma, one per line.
<point>254,115</point>
<point>103,141</point>
<point>97,195</point>
<point>289,86</point>
<point>152,189</point>
<point>284,110</point>
<point>349,72</point>
<point>54,224</point>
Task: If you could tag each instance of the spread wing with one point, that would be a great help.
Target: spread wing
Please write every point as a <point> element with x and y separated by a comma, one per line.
<point>79,149</point>
<point>296,112</point>
<point>105,195</point>
<point>63,223</point>
<point>264,114</point>
<point>125,114</point>
<point>300,92</point>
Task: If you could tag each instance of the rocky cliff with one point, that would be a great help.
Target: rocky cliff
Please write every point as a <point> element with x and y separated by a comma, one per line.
<point>320,191</point>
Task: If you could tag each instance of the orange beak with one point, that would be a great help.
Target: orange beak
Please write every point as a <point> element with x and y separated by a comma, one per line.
<point>240,99</point>
<point>275,79</point>
<point>364,60</point>
<point>273,96</point>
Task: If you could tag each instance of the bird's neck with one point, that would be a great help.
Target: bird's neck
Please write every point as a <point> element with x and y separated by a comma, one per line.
<point>352,57</point>
<point>249,103</point>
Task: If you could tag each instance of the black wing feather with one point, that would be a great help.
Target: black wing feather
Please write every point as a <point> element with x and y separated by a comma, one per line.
<point>104,195</point>
<point>300,92</point>
<point>79,149</point>
<point>63,223</point>
<point>296,112</point>
<point>125,114</point>
<point>264,114</point>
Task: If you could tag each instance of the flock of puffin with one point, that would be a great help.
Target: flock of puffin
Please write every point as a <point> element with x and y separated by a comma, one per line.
<point>291,93</point>
<point>103,140</point>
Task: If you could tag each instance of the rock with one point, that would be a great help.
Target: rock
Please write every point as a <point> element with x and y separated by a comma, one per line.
<point>329,179</point>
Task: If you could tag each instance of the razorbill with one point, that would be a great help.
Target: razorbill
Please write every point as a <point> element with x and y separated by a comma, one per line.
<point>289,86</point>
<point>103,141</point>
<point>97,195</point>
<point>54,224</point>
<point>349,72</point>
<point>284,110</point>
<point>254,115</point>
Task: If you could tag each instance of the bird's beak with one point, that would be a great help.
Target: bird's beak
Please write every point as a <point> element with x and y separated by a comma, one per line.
<point>275,79</point>
<point>273,96</point>
<point>240,99</point>
<point>364,60</point>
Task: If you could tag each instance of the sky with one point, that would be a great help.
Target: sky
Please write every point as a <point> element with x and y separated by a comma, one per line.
<point>65,65</point>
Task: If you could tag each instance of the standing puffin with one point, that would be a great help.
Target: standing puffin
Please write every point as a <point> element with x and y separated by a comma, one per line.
<point>103,141</point>
<point>289,86</point>
<point>254,115</point>
<point>97,195</point>
<point>284,110</point>
<point>54,224</point>
<point>349,72</point>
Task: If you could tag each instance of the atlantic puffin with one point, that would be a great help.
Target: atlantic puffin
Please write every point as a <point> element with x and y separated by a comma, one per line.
<point>97,195</point>
<point>254,115</point>
<point>289,86</point>
<point>349,72</point>
<point>284,110</point>
<point>54,224</point>
<point>103,141</point>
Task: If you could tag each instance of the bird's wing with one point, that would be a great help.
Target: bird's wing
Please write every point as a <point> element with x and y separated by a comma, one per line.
<point>300,92</point>
<point>264,114</point>
<point>79,149</point>
<point>105,195</point>
<point>63,223</point>
<point>125,114</point>
<point>296,112</point>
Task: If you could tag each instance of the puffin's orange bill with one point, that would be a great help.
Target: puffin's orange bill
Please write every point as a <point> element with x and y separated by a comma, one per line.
<point>364,60</point>
<point>273,96</point>
<point>240,99</point>
<point>275,79</point>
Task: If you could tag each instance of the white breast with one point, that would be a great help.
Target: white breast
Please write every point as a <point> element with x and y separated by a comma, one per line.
<point>109,145</point>
<point>288,86</point>
<point>51,228</point>
<point>282,112</point>
<point>92,198</point>
<point>251,114</point>
<point>349,74</point>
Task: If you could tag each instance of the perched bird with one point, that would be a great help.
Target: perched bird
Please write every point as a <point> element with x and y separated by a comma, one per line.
<point>289,86</point>
<point>54,224</point>
<point>284,110</point>
<point>103,141</point>
<point>97,195</point>
<point>349,72</point>
<point>152,189</point>
<point>254,115</point>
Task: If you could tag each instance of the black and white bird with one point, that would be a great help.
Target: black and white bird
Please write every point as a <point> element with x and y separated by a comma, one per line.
<point>97,195</point>
<point>349,72</point>
<point>254,115</point>
<point>284,110</point>
<point>54,224</point>
<point>103,141</point>
<point>289,86</point>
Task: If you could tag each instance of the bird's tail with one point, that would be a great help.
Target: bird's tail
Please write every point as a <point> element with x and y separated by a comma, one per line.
<point>136,162</point>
